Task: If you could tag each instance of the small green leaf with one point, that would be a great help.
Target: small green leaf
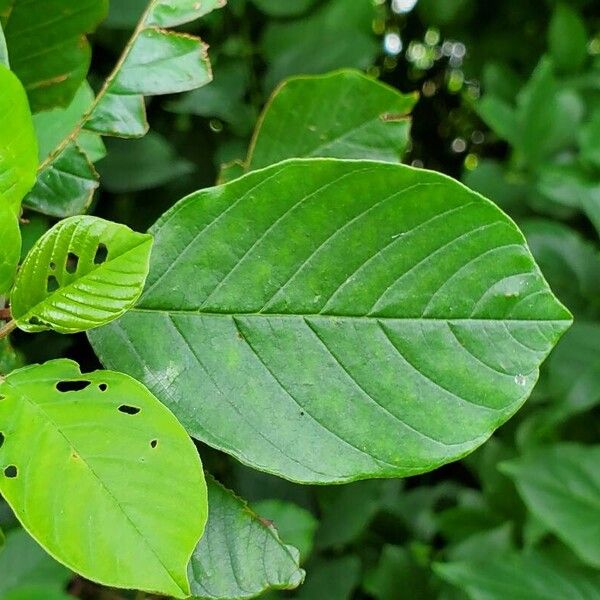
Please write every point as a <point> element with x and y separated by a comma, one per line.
<point>297,122</point>
<point>10,246</point>
<point>410,304</point>
<point>18,147</point>
<point>65,186</point>
<point>87,488</point>
<point>156,61</point>
<point>82,273</point>
<point>567,38</point>
<point>240,554</point>
<point>24,562</point>
<point>561,486</point>
<point>334,579</point>
<point>295,524</point>
<point>520,577</point>
<point>52,126</point>
<point>53,61</point>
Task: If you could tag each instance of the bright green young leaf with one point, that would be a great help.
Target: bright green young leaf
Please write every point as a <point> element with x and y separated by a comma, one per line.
<point>47,46</point>
<point>240,555</point>
<point>10,246</point>
<point>561,486</point>
<point>24,562</point>
<point>156,61</point>
<point>567,38</point>
<point>295,524</point>
<point>65,185</point>
<point>337,35</point>
<point>319,116</point>
<point>82,273</point>
<point>149,162</point>
<point>411,305</point>
<point>520,577</point>
<point>114,488</point>
<point>18,148</point>
<point>52,126</point>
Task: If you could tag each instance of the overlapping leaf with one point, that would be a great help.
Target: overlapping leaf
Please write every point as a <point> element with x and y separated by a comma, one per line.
<point>47,46</point>
<point>320,117</point>
<point>413,310</point>
<point>240,554</point>
<point>156,61</point>
<point>18,148</point>
<point>561,486</point>
<point>81,274</point>
<point>10,246</point>
<point>98,490</point>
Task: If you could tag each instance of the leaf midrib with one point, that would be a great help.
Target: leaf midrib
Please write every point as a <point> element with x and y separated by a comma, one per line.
<point>109,493</point>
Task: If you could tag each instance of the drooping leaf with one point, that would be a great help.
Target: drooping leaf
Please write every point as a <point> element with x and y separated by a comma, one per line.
<point>156,61</point>
<point>297,122</point>
<point>149,162</point>
<point>10,246</point>
<point>65,185</point>
<point>521,577</point>
<point>240,554</point>
<point>18,148</point>
<point>411,305</point>
<point>82,273</point>
<point>567,38</point>
<point>294,524</point>
<point>47,46</point>
<point>99,490</point>
<point>561,486</point>
<point>336,35</point>
<point>24,562</point>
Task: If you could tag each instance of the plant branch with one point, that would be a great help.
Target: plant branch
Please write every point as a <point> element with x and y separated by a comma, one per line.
<point>106,85</point>
<point>7,328</point>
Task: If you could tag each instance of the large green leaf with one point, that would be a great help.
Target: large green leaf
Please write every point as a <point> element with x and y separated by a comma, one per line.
<point>47,46</point>
<point>567,38</point>
<point>156,61</point>
<point>82,273</point>
<point>330,320</point>
<point>561,486</point>
<point>23,562</point>
<point>240,554</point>
<point>521,577</point>
<point>18,147</point>
<point>10,246</point>
<point>319,116</point>
<point>102,475</point>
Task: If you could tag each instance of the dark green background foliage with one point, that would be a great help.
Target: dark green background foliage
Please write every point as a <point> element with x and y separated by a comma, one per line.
<point>509,104</point>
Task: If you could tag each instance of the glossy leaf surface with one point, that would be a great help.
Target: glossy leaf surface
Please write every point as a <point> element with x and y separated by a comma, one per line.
<point>561,486</point>
<point>81,274</point>
<point>320,117</point>
<point>91,478</point>
<point>18,147</point>
<point>413,309</point>
<point>10,246</point>
<point>47,46</point>
<point>240,554</point>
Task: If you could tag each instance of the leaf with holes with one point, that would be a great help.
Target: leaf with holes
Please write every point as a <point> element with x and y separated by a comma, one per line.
<point>80,459</point>
<point>10,246</point>
<point>156,61</point>
<point>18,147</point>
<point>319,116</point>
<point>82,273</point>
<point>47,46</point>
<point>415,315</point>
<point>240,555</point>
